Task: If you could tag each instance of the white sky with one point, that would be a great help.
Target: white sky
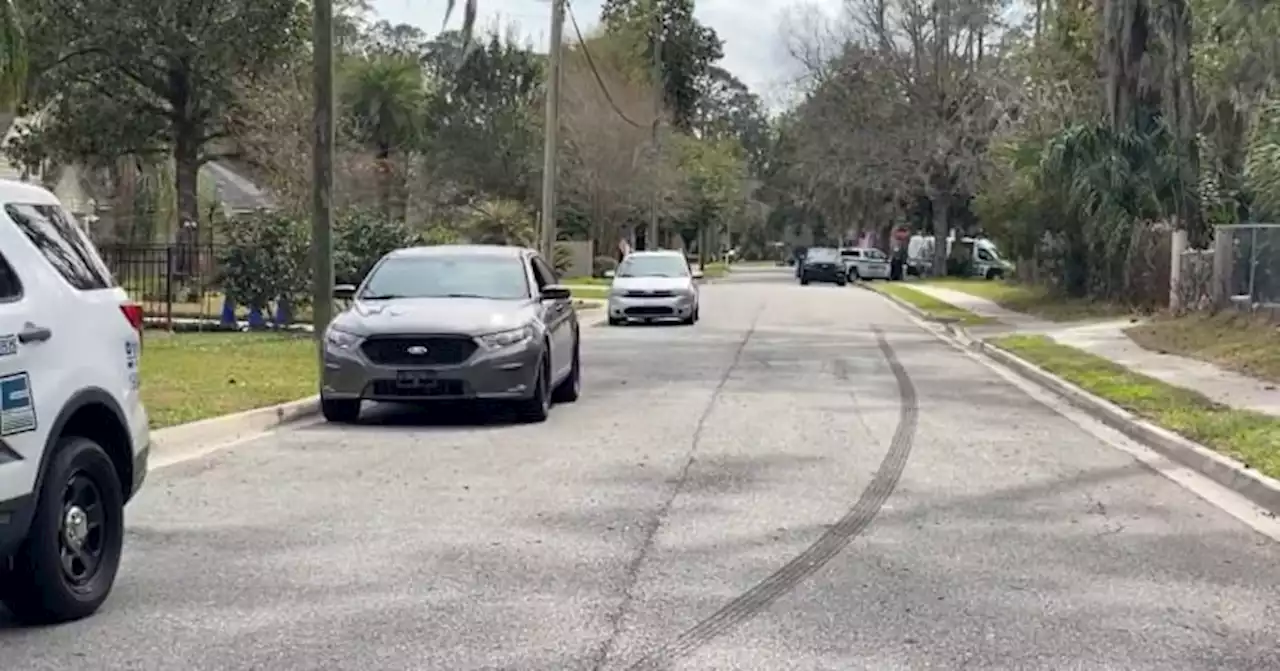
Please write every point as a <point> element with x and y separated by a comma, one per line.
<point>752,30</point>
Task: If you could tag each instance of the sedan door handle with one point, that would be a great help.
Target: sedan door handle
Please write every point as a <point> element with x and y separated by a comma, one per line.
<point>31,333</point>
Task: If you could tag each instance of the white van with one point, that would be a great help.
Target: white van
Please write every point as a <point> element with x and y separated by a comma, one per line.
<point>984,257</point>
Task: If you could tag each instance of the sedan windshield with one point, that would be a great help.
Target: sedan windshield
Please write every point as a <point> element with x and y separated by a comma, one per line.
<point>455,276</point>
<point>655,265</point>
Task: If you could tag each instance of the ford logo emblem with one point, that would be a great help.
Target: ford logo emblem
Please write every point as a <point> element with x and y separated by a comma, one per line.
<point>417,350</point>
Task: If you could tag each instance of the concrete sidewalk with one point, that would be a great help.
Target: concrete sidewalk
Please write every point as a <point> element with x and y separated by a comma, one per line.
<point>1109,341</point>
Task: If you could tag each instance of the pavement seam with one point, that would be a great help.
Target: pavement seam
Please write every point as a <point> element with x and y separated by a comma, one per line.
<point>750,603</point>
<point>632,574</point>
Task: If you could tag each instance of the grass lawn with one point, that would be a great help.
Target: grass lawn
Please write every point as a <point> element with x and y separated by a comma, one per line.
<point>586,281</point>
<point>1030,299</point>
<point>931,306</point>
<point>1238,342</point>
<point>593,293</point>
<point>191,376</point>
<point>1252,438</point>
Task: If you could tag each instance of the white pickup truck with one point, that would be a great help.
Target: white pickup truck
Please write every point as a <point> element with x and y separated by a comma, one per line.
<point>865,263</point>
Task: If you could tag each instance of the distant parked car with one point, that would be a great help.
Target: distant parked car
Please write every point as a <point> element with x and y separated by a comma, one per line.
<point>822,264</point>
<point>454,322</point>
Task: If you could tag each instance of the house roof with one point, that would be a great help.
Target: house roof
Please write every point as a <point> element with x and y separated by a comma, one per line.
<point>234,191</point>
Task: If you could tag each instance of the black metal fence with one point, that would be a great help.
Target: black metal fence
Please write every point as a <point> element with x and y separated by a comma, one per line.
<point>171,282</point>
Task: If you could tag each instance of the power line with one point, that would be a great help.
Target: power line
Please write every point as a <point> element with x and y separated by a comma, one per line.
<point>592,64</point>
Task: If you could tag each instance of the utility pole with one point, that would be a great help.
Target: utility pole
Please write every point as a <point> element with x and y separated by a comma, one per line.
<point>552,135</point>
<point>322,175</point>
<point>651,238</point>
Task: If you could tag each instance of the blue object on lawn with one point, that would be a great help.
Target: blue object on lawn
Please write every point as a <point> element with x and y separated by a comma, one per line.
<point>255,318</point>
<point>228,312</point>
<point>283,316</point>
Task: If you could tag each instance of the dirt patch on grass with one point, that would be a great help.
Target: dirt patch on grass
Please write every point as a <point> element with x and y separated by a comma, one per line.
<point>1237,342</point>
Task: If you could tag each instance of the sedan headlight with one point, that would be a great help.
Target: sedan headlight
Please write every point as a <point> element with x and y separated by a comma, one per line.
<point>507,338</point>
<point>616,292</point>
<point>341,339</point>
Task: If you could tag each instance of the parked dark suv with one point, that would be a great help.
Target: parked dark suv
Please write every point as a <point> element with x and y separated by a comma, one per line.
<point>823,264</point>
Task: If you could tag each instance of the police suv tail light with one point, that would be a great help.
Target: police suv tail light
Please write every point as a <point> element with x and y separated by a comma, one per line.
<point>134,314</point>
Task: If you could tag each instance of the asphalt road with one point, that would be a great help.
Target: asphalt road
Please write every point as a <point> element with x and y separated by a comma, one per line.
<point>778,487</point>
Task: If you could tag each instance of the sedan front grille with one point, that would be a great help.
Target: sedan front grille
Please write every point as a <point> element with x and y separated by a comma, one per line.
<point>419,350</point>
<point>651,294</point>
<point>648,311</point>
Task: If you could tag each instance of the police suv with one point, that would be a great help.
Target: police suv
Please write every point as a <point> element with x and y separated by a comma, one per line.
<point>73,431</point>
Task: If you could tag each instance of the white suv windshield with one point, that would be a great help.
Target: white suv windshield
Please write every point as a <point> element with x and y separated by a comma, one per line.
<point>452,276</point>
<point>656,265</point>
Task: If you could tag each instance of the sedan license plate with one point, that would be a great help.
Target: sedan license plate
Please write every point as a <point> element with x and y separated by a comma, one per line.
<point>415,379</point>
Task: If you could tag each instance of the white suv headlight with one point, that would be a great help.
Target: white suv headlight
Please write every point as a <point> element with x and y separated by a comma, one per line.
<point>341,339</point>
<point>507,338</point>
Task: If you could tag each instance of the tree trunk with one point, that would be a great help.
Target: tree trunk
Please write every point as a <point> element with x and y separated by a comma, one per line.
<point>1123,44</point>
<point>941,205</point>
<point>1180,103</point>
<point>186,161</point>
<point>386,180</point>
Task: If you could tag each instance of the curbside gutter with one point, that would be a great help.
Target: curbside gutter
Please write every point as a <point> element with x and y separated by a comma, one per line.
<point>215,431</point>
<point>1258,488</point>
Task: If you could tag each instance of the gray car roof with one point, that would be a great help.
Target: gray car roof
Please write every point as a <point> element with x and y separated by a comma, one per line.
<point>455,250</point>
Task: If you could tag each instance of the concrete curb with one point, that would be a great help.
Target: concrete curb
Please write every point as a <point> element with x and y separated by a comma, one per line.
<point>951,329</point>
<point>1260,489</point>
<point>215,431</point>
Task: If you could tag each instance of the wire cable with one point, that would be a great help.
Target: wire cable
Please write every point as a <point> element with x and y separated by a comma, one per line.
<point>592,64</point>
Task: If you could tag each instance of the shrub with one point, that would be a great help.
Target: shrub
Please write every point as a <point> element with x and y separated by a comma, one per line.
<point>563,260</point>
<point>267,257</point>
<point>603,264</point>
<point>362,237</point>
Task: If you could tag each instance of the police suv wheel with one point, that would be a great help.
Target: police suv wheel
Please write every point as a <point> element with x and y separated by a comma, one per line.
<point>65,569</point>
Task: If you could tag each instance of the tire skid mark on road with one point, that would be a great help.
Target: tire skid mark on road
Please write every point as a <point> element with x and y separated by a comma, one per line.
<point>750,603</point>
<point>631,577</point>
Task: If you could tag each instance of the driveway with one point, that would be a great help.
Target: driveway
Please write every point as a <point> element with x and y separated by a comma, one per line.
<point>804,480</point>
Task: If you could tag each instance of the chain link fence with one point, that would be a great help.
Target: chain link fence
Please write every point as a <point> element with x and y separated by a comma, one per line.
<point>1246,267</point>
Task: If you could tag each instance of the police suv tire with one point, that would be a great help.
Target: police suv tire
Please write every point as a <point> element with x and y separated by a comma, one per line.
<point>340,410</point>
<point>37,591</point>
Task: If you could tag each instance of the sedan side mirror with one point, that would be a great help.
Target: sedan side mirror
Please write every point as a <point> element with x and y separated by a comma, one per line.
<point>344,292</point>
<point>556,292</point>
<point>609,274</point>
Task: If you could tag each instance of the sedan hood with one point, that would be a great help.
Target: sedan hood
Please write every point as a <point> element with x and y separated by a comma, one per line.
<point>464,316</point>
<point>652,283</point>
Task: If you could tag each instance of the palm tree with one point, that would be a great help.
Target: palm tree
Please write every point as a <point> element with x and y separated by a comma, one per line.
<point>384,98</point>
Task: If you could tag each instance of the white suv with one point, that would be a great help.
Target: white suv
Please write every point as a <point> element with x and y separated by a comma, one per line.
<point>73,432</point>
